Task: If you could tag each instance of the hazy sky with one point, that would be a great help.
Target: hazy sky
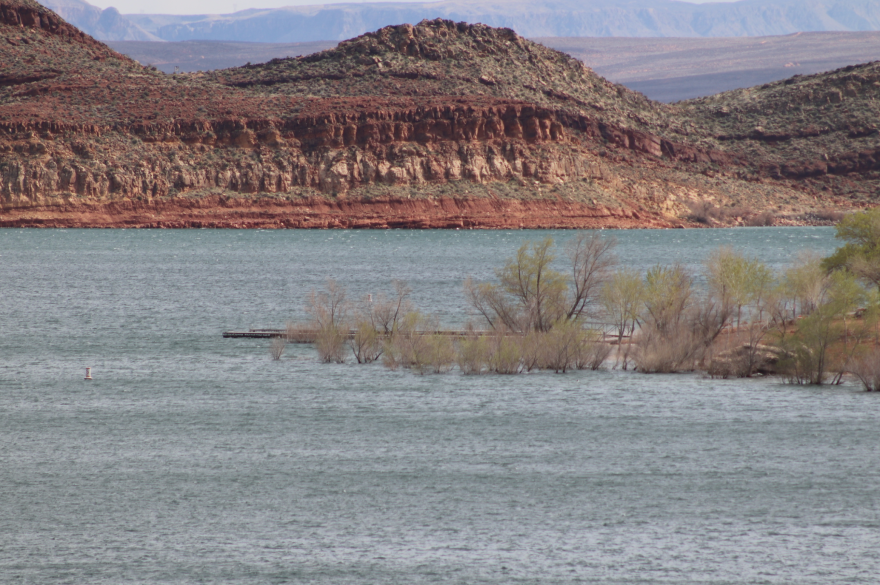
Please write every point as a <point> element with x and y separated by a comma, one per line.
<point>225,6</point>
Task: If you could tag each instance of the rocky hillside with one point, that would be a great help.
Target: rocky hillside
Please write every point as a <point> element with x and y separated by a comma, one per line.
<point>443,58</point>
<point>436,112</point>
<point>820,130</point>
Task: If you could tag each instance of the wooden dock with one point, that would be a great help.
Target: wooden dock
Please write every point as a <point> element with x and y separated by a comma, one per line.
<point>307,336</point>
<point>271,333</point>
<point>256,333</point>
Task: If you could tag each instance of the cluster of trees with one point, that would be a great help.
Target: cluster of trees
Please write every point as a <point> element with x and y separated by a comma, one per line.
<point>747,319</point>
<point>391,330</point>
<point>810,323</point>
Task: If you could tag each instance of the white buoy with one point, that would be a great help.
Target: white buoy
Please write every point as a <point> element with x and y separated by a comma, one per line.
<point>88,374</point>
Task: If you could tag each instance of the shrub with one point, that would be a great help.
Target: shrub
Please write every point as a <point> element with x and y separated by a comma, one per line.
<point>276,348</point>
<point>505,353</point>
<point>472,356</point>
<point>746,360</point>
<point>702,212</point>
<point>562,346</point>
<point>532,350</point>
<point>330,343</point>
<point>411,347</point>
<point>681,340</point>
<point>440,355</point>
<point>673,349</point>
<point>867,369</point>
<point>365,343</point>
<point>765,218</point>
<point>829,215</point>
<point>593,355</point>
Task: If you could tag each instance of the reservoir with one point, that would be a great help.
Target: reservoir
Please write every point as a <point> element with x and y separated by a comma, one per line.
<point>190,458</point>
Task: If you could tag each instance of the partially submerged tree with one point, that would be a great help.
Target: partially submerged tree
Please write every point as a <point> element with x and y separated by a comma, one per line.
<point>736,281</point>
<point>385,313</point>
<point>622,296</point>
<point>329,312</point>
<point>532,296</point>
<point>811,359</point>
<point>678,328</point>
<point>668,291</point>
<point>328,308</point>
<point>592,259</point>
<point>866,368</point>
<point>861,252</point>
<point>806,282</point>
<point>376,322</point>
<point>417,345</point>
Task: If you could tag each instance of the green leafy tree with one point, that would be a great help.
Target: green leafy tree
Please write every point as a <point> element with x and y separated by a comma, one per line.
<point>622,297</point>
<point>736,281</point>
<point>811,359</point>
<point>861,252</point>
<point>667,296</point>
<point>805,283</point>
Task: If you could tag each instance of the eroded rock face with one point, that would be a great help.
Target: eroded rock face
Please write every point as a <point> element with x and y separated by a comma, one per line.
<point>331,153</point>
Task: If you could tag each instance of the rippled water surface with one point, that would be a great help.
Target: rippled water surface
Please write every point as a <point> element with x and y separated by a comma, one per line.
<point>191,458</point>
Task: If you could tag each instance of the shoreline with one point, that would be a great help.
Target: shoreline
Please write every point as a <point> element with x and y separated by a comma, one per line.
<point>316,213</point>
<point>216,211</point>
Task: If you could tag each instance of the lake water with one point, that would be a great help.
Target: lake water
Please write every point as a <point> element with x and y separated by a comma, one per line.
<point>195,459</point>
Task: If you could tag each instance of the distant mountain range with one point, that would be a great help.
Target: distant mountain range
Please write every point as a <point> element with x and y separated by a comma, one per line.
<point>531,18</point>
<point>105,24</point>
<point>664,69</point>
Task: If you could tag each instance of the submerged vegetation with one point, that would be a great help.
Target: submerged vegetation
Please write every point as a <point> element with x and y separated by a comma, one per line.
<point>811,323</point>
